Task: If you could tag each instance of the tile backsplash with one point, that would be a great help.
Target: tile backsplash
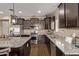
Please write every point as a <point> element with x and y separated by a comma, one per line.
<point>28,23</point>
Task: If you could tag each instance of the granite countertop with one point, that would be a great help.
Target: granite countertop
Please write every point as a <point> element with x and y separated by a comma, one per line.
<point>58,38</point>
<point>14,42</point>
<point>59,41</point>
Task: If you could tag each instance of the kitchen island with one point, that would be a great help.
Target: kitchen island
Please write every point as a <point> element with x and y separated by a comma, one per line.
<point>59,40</point>
<point>19,45</point>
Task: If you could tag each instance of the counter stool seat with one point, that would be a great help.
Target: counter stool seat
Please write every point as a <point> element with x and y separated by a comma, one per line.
<point>5,51</point>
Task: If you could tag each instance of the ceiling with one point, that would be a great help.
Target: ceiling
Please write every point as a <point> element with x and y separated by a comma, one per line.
<point>28,9</point>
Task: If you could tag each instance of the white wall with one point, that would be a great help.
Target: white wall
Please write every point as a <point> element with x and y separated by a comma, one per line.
<point>56,14</point>
<point>57,24</point>
<point>5,27</point>
<point>0,27</point>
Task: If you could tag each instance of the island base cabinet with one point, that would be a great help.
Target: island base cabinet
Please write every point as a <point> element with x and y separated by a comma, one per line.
<point>21,51</point>
<point>59,52</point>
<point>27,48</point>
<point>53,49</point>
<point>47,42</point>
<point>14,52</point>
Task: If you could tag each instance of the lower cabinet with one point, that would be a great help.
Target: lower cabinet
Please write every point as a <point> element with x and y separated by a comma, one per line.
<point>55,51</point>
<point>59,52</point>
<point>47,41</point>
<point>27,49</point>
<point>52,48</point>
<point>21,51</point>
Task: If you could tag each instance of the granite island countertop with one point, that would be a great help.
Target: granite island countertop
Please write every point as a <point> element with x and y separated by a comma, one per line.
<point>14,42</point>
<point>59,40</point>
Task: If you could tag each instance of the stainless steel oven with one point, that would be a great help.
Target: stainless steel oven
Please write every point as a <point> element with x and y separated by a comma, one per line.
<point>34,38</point>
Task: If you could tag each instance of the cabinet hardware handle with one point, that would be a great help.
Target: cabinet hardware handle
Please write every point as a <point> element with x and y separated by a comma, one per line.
<point>27,44</point>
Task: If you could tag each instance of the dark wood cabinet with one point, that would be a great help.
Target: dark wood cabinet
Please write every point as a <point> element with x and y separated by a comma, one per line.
<point>59,52</point>
<point>21,51</point>
<point>71,14</point>
<point>27,48</point>
<point>47,22</point>
<point>47,41</point>
<point>18,21</point>
<point>34,21</point>
<point>68,15</point>
<point>27,24</point>
<point>41,24</point>
<point>52,48</point>
<point>55,51</point>
<point>62,20</point>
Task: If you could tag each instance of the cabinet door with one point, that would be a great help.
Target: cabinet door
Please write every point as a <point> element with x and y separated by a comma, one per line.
<point>62,21</point>
<point>47,41</point>
<point>27,48</point>
<point>59,52</point>
<point>27,24</point>
<point>41,24</point>
<point>53,49</point>
<point>71,14</point>
<point>20,21</point>
<point>49,24</point>
<point>46,23</point>
<point>78,16</point>
<point>34,21</point>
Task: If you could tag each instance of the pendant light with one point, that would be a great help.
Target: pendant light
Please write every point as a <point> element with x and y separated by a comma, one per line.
<point>13,16</point>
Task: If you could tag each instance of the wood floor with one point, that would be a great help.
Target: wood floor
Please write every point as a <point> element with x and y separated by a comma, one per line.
<point>39,50</point>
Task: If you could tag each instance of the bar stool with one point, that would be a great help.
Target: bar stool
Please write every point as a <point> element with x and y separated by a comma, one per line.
<point>5,51</point>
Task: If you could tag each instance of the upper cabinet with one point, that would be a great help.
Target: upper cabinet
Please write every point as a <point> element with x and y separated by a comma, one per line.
<point>62,21</point>
<point>47,22</point>
<point>68,16</point>
<point>71,14</point>
<point>17,21</point>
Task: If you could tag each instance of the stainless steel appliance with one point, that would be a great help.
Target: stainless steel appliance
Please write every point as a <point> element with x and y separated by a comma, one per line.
<point>34,38</point>
<point>34,34</point>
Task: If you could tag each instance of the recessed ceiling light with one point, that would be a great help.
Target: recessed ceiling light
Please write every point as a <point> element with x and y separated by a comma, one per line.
<point>1,12</point>
<point>13,21</point>
<point>19,11</point>
<point>39,11</point>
